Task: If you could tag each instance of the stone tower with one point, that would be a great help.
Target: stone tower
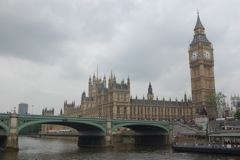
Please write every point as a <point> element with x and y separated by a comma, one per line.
<point>150,94</point>
<point>201,60</point>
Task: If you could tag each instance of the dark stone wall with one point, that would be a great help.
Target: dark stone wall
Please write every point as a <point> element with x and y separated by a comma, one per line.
<point>152,140</point>
<point>91,141</point>
<point>3,141</point>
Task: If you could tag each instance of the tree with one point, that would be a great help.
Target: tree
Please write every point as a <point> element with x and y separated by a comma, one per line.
<point>215,102</point>
<point>220,100</point>
<point>237,114</point>
<point>33,129</point>
<point>210,99</point>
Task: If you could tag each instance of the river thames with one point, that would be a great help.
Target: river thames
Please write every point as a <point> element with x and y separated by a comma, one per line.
<point>56,149</point>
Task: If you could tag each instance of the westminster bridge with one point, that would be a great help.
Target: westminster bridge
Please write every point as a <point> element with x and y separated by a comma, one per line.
<point>92,131</point>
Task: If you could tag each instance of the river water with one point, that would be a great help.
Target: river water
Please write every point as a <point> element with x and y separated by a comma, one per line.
<point>56,149</point>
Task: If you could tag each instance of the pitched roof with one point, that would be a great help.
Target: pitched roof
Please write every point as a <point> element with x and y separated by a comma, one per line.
<point>199,23</point>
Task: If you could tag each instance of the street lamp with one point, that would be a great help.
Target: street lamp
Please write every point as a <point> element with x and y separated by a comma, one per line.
<point>32,109</point>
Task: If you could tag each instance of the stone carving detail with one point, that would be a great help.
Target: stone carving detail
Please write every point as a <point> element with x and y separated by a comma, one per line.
<point>20,122</point>
<point>6,121</point>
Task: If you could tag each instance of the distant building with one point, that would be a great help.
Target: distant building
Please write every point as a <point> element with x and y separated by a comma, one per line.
<point>53,128</point>
<point>225,111</point>
<point>23,108</point>
<point>47,112</point>
<point>47,127</point>
<point>235,102</point>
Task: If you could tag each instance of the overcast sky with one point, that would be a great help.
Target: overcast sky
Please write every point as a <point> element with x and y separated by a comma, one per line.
<point>49,49</point>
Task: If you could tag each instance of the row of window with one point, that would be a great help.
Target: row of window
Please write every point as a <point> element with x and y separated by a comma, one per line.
<point>121,97</point>
<point>151,110</point>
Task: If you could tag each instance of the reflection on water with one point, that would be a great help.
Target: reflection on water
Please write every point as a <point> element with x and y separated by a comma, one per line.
<point>56,149</point>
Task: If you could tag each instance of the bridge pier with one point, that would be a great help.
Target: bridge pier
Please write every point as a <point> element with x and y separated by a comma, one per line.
<point>12,138</point>
<point>91,141</point>
<point>108,137</point>
<point>3,141</point>
<point>97,141</point>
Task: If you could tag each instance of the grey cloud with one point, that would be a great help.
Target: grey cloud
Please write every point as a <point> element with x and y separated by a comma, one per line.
<point>147,41</point>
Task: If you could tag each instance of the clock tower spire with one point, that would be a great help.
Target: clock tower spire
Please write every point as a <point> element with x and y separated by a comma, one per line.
<point>201,61</point>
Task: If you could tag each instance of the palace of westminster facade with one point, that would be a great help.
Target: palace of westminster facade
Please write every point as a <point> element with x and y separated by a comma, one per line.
<point>113,100</point>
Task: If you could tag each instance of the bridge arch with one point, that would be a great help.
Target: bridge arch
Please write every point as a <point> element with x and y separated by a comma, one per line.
<point>68,123</point>
<point>5,127</point>
<point>134,125</point>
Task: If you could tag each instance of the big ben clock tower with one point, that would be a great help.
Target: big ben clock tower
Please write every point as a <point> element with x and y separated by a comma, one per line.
<point>201,60</point>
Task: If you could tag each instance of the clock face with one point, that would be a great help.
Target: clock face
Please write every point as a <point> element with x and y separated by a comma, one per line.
<point>207,54</point>
<point>194,55</point>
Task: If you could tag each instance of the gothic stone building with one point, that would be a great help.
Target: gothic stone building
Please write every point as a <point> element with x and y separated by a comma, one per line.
<point>113,100</point>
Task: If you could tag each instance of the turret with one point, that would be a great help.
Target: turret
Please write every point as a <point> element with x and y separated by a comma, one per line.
<point>104,82</point>
<point>185,97</point>
<point>128,83</point>
<point>83,96</point>
<point>150,95</point>
<point>90,87</point>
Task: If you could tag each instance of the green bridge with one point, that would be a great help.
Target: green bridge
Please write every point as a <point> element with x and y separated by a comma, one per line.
<point>92,131</point>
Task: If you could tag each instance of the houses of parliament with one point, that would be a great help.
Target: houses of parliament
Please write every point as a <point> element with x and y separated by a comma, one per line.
<point>108,98</point>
